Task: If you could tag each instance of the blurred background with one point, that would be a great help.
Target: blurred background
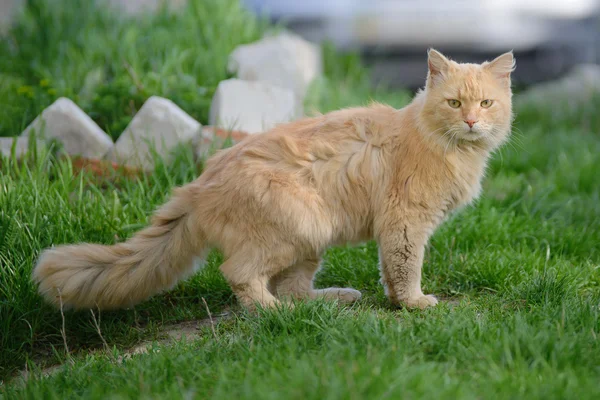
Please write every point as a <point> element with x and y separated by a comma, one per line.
<point>110,56</point>
<point>549,37</point>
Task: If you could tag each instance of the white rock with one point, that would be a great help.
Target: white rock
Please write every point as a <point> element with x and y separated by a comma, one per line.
<point>79,134</point>
<point>251,107</point>
<point>140,7</point>
<point>9,9</point>
<point>6,144</point>
<point>284,60</point>
<point>160,125</point>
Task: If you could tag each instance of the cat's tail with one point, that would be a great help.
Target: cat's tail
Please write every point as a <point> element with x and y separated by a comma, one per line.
<point>109,277</point>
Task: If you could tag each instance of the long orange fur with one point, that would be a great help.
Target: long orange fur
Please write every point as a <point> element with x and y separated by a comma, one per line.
<point>276,201</point>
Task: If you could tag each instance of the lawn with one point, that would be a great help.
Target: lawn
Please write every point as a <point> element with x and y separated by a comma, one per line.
<point>518,272</point>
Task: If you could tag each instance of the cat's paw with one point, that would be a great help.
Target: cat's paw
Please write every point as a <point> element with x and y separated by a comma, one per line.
<point>344,295</point>
<point>423,301</point>
<point>348,295</point>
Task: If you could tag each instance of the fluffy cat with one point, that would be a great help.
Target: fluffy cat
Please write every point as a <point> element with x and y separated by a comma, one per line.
<point>276,201</point>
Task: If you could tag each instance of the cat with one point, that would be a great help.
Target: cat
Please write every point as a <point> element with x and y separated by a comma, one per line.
<point>274,202</point>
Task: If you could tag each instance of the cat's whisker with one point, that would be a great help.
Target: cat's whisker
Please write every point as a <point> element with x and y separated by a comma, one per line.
<point>450,140</point>
<point>501,156</point>
<point>441,138</point>
<point>515,140</point>
<point>446,147</point>
<point>434,132</point>
<point>517,133</point>
<point>455,141</point>
<point>512,146</point>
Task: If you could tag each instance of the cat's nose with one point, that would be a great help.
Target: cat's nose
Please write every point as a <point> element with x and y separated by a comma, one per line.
<point>470,122</point>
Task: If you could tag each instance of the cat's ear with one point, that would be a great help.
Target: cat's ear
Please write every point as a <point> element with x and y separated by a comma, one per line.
<point>438,63</point>
<point>438,66</point>
<point>501,66</point>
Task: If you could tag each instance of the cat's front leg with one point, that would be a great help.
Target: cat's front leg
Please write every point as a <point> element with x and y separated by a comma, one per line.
<point>401,250</point>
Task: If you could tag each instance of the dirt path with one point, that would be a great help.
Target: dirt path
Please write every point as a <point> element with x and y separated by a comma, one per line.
<point>190,330</point>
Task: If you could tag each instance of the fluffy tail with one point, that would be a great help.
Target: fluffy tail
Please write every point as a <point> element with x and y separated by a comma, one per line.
<point>110,277</point>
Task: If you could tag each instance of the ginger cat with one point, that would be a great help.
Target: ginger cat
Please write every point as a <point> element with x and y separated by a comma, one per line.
<point>276,201</point>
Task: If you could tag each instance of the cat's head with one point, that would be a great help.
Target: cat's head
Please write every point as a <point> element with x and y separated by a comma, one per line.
<point>468,103</point>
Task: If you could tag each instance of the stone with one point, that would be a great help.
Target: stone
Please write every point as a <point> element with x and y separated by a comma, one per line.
<point>251,107</point>
<point>576,87</point>
<point>284,60</point>
<point>9,9</point>
<point>77,132</point>
<point>141,7</point>
<point>159,126</point>
<point>21,148</point>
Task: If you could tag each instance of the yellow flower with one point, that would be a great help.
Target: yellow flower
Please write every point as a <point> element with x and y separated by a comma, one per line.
<point>25,90</point>
<point>45,82</point>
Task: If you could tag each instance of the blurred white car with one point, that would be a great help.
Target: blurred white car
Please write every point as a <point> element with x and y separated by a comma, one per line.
<point>550,35</point>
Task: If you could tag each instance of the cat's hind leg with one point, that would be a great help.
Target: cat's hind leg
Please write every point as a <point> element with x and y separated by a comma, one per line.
<point>249,279</point>
<point>297,282</point>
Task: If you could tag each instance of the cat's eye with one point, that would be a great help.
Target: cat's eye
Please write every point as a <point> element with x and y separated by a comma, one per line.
<point>454,103</point>
<point>487,103</point>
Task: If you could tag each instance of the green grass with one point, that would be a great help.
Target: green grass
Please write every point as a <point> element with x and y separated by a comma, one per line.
<point>110,64</point>
<point>519,270</point>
